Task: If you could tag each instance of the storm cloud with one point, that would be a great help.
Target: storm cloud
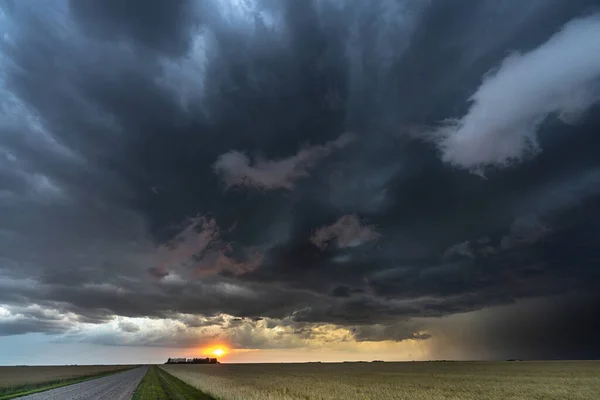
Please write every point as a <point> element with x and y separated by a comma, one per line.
<point>174,172</point>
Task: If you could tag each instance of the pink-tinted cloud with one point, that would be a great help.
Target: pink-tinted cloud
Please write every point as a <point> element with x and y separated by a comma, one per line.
<point>220,261</point>
<point>347,231</point>
<point>236,168</point>
<point>191,242</point>
<point>200,248</point>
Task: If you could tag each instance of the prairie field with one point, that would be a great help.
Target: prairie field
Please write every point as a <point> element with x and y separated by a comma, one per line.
<point>34,375</point>
<point>573,380</point>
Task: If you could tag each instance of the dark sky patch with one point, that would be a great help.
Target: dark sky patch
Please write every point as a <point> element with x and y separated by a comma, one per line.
<point>158,25</point>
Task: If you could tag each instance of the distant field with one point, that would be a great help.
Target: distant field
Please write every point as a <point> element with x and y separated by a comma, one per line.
<point>21,379</point>
<point>573,380</point>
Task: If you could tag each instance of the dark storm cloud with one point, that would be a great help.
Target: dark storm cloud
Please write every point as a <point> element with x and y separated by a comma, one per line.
<point>20,319</point>
<point>396,332</point>
<point>124,123</point>
<point>23,325</point>
<point>165,26</point>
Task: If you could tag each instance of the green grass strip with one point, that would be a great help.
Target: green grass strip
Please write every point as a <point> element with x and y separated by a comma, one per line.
<point>149,387</point>
<point>12,393</point>
<point>160,385</point>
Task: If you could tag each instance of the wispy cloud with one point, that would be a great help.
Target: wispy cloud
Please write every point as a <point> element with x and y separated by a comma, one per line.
<point>193,241</point>
<point>201,248</point>
<point>525,230</point>
<point>236,168</point>
<point>460,249</point>
<point>348,231</point>
<point>561,77</point>
<point>221,260</point>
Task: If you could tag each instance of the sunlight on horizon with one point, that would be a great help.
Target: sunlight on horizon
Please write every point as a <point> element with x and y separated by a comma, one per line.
<point>216,350</point>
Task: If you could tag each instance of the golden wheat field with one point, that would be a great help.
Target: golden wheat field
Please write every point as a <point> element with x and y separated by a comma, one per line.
<point>573,380</point>
<point>31,375</point>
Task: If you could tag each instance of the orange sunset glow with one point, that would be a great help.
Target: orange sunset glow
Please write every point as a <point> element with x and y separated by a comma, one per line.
<point>216,351</point>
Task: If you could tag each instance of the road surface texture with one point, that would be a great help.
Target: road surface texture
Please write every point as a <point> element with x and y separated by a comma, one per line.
<point>119,386</point>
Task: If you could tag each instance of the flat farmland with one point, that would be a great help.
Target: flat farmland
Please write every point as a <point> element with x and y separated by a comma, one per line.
<point>26,375</point>
<point>574,380</point>
<point>14,378</point>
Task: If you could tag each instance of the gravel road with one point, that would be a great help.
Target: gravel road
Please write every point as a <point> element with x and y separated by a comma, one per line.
<point>119,386</point>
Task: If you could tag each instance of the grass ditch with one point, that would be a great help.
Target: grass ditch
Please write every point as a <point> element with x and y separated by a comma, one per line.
<point>25,390</point>
<point>160,385</point>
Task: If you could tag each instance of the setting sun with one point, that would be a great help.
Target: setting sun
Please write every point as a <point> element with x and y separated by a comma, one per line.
<point>216,351</point>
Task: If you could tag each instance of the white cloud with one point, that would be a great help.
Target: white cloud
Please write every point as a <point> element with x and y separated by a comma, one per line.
<point>174,280</point>
<point>4,312</point>
<point>561,77</point>
<point>236,168</point>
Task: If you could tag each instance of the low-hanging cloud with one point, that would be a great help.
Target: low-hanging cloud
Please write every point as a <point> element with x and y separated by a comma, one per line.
<point>236,169</point>
<point>561,77</point>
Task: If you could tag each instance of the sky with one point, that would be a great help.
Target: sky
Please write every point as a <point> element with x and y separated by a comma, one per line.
<point>299,180</point>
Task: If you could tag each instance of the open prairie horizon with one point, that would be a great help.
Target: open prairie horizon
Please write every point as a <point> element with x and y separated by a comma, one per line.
<point>455,380</point>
